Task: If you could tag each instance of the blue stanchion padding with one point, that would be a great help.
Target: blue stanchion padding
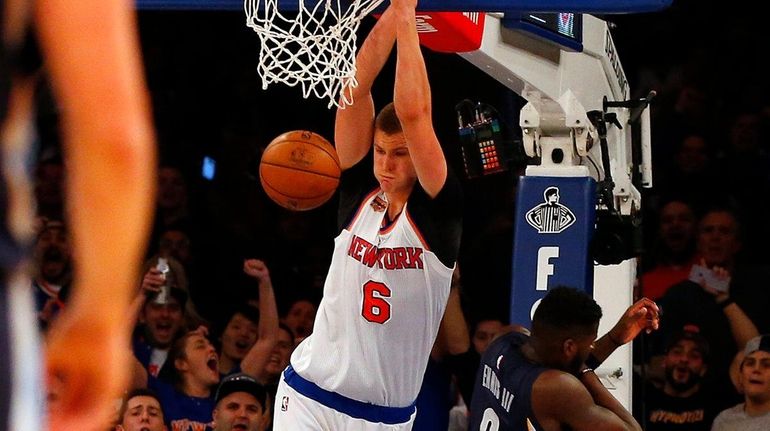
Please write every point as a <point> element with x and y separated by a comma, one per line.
<point>554,223</point>
<point>581,6</point>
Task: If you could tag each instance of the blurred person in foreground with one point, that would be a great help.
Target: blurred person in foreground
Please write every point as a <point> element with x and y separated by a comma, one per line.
<point>91,55</point>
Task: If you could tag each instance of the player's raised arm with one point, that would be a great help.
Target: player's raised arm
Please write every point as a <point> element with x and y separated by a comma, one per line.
<point>412,100</point>
<point>354,125</point>
<point>584,405</point>
<point>92,54</point>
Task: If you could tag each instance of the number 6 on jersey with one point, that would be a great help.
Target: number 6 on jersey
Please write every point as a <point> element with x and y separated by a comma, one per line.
<point>375,308</point>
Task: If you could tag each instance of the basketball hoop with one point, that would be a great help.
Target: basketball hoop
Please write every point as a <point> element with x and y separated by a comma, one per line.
<point>315,49</point>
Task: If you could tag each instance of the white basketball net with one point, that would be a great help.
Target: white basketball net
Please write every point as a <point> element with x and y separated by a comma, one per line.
<point>316,49</point>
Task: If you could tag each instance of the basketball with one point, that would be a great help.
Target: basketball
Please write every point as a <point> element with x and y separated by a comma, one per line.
<point>299,170</point>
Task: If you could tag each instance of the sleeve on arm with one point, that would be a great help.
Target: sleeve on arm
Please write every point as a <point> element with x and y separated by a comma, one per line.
<point>354,183</point>
<point>440,218</point>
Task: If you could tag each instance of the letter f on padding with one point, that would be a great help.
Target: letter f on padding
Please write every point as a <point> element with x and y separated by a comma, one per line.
<point>544,266</point>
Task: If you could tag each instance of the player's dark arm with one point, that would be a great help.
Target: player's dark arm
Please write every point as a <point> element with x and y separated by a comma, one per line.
<point>354,124</point>
<point>643,315</point>
<point>560,399</point>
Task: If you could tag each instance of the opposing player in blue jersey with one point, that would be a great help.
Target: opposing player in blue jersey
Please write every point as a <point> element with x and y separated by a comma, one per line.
<point>545,381</point>
<point>389,279</point>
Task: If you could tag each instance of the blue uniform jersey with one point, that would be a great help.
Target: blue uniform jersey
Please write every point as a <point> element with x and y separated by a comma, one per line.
<point>502,395</point>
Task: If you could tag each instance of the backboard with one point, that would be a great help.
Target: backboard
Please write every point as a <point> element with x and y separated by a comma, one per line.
<point>582,6</point>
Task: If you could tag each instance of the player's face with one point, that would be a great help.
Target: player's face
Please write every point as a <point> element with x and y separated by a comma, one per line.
<point>200,361</point>
<point>238,411</point>
<point>279,357</point>
<point>238,337</point>
<point>393,166</point>
<point>143,413</point>
<point>684,365</point>
<point>755,375</point>
<point>162,322</point>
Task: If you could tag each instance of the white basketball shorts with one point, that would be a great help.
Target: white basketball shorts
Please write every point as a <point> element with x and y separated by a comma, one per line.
<point>301,405</point>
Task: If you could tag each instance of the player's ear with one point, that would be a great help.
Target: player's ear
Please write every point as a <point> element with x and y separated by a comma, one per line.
<point>569,348</point>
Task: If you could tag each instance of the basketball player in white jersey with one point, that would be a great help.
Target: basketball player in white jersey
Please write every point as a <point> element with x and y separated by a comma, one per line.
<point>389,279</point>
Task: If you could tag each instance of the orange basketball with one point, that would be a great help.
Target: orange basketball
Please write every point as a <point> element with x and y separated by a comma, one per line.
<point>299,170</point>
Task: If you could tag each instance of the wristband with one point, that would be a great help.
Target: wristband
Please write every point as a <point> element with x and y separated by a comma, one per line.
<point>584,371</point>
<point>726,302</point>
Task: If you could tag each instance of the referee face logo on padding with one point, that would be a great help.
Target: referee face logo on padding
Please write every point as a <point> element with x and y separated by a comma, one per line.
<point>550,216</point>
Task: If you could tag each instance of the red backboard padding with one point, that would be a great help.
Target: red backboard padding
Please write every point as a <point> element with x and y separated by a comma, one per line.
<point>451,31</point>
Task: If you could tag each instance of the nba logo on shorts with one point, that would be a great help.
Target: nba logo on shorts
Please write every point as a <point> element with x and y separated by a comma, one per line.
<point>285,404</point>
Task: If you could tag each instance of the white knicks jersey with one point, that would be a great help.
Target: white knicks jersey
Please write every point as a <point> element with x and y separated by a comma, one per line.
<point>384,298</point>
